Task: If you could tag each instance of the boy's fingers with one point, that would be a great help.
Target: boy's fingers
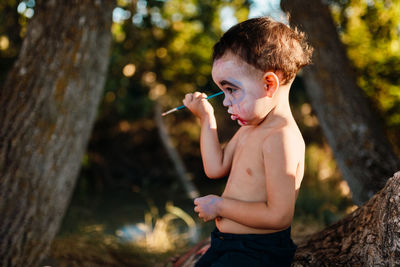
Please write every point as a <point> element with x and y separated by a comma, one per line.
<point>196,94</point>
<point>204,95</point>
<point>189,97</point>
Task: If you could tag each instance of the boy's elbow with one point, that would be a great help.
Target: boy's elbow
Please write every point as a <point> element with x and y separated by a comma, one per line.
<point>214,174</point>
<point>285,224</point>
<point>279,222</point>
<point>284,221</point>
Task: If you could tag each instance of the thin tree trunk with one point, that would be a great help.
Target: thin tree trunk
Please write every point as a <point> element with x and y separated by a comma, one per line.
<point>48,106</point>
<point>184,178</point>
<point>354,132</point>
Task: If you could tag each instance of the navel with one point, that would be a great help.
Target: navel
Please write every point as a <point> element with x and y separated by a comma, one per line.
<point>249,172</point>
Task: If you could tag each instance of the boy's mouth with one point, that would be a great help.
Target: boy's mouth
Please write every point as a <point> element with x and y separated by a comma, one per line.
<point>236,117</point>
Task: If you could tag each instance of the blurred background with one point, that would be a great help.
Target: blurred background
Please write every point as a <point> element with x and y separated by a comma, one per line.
<point>130,205</point>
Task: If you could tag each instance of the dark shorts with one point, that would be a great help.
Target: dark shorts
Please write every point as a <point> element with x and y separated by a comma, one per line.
<point>276,249</point>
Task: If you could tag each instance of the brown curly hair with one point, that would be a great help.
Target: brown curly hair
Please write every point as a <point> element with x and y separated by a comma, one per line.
<point>266,45</point>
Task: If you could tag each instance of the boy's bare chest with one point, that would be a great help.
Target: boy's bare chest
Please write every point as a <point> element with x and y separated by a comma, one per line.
<point>247,177</point>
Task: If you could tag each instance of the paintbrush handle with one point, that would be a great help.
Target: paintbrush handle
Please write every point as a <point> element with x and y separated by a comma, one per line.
<point>216,94</point>
<point>183,106</point>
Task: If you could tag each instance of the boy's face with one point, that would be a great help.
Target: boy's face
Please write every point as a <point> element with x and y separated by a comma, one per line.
<point>243,86</point>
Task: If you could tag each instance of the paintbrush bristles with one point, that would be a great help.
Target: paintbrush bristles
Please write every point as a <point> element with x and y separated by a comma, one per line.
<point>169,111</point>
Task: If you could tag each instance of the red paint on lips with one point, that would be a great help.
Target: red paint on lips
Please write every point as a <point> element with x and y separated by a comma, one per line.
<point>236,117</point>
<point>242,121</point>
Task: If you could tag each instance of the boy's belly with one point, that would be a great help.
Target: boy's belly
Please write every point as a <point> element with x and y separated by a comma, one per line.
<point>225,225</point>
<point>246,193</point>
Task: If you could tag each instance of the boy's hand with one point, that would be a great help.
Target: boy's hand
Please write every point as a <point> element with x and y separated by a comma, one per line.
<point>198,104</point>
<point>207,207</point>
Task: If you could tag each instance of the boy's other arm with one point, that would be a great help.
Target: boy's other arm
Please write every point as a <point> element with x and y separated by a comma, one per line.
<point>281,162</point>
<point>216,161</point>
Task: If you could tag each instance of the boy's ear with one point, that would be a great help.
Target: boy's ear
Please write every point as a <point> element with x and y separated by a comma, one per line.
<point>271,83</point>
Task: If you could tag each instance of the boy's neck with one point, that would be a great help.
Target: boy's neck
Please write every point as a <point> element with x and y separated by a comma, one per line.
<point>280,111</point>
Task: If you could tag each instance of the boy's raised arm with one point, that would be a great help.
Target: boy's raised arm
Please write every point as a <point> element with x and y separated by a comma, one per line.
<point>216,161</point>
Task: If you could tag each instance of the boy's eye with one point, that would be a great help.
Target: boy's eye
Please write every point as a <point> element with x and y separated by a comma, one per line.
<point>230,90</point>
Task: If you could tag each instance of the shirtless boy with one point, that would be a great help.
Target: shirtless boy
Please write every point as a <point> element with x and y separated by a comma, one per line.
<point>254,64</point>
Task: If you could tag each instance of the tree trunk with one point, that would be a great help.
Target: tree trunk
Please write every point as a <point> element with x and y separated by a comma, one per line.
<point>48,106</point>
<point>355,134</point>
<point>370,236</point>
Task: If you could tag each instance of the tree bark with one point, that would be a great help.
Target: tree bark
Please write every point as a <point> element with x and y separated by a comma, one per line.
<point>370,236</point>
<point>352,128</point>
<point>48,105</point>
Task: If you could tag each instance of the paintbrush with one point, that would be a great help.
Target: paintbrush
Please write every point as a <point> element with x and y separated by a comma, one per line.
<point>183,106</point>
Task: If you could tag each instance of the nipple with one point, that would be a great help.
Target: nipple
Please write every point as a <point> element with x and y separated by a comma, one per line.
<point>249,172</point>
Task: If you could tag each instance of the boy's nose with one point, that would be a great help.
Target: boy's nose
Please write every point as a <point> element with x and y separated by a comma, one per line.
<point>227,102</point>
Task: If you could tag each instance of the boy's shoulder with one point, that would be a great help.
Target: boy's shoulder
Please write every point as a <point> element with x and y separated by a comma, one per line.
<point>285,138</point>
<point>282,138</point>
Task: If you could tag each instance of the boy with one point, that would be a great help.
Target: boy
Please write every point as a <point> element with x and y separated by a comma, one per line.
<point>254,64</point>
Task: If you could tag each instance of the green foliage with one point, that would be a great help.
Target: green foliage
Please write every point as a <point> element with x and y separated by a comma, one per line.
<point>169,44</point>
<point>324,196</point>
<point>371,32</point>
